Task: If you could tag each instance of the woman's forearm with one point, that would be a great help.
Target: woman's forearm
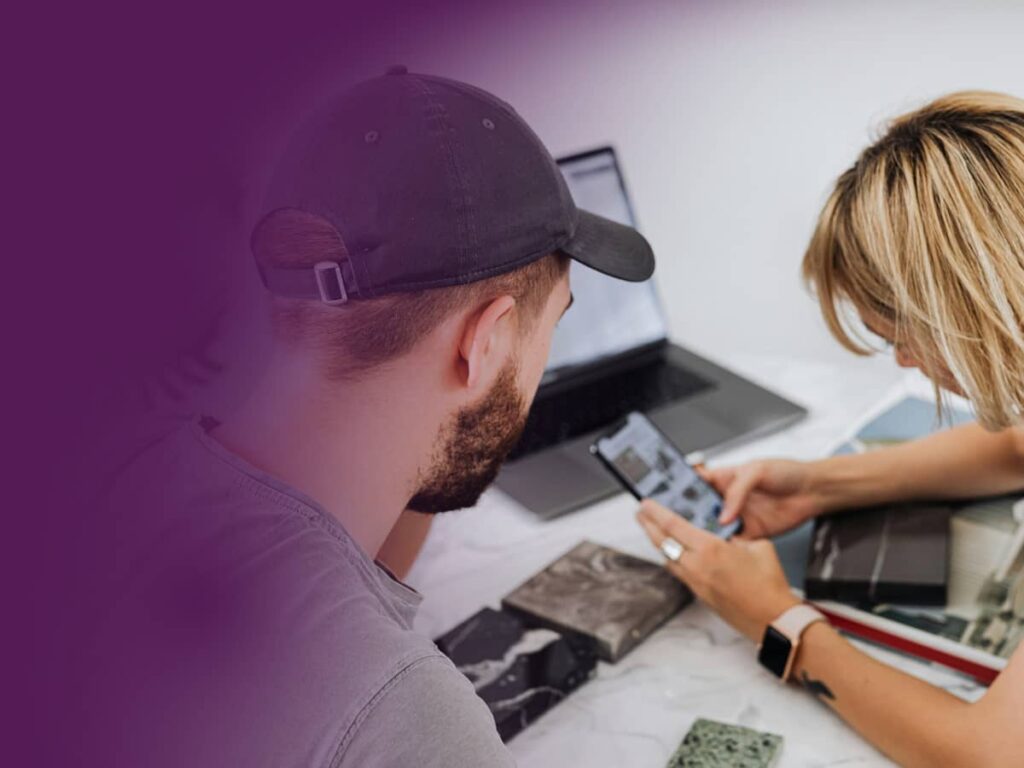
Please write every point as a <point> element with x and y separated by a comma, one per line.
<point>962,462</point>
<point>915,723</point>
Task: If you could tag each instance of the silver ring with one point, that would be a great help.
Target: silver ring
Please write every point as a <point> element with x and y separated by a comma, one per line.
<point>672,549</point>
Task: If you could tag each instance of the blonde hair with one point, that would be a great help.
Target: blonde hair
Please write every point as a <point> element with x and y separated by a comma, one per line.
<point>927,231</point>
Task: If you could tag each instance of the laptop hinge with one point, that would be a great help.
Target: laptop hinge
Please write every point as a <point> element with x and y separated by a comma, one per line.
<point>571,376</point>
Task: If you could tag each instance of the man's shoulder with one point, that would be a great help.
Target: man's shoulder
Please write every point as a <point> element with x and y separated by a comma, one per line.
<point>320,637</point>
<point>184,483</point>
<point>349,635</point>
<point>384,695</point>
<point>428,714</point>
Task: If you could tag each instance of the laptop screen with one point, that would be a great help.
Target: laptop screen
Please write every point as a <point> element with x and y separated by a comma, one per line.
<point>608,316</point>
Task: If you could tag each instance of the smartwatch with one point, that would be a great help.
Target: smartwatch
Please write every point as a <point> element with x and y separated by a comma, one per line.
<point>782,638</point>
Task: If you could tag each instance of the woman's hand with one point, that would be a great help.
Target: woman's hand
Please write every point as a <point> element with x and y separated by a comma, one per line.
<point>742,581</point>
<point>770,496</point>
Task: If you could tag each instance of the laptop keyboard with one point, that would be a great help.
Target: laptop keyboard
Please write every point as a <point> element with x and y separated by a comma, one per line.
<point>582,409</point>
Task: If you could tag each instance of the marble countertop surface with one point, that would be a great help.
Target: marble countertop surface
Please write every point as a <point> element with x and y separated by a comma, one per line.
<point>635,712</point>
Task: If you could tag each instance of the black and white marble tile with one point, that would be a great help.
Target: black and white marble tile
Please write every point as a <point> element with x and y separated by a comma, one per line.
<point>519,672</point>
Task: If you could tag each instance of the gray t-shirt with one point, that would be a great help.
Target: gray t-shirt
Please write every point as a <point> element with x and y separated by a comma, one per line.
<point>251,630</point>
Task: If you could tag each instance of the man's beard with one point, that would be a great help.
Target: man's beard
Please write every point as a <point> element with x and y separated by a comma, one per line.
<point>472,448</point>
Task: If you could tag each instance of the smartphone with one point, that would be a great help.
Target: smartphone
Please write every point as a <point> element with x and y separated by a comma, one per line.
<point>646,462</point>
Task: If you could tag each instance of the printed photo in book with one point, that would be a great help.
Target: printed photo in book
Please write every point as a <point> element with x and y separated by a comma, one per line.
<point>985,608</point>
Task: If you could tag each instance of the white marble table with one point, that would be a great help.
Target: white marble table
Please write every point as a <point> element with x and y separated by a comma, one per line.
<point>636,712</point>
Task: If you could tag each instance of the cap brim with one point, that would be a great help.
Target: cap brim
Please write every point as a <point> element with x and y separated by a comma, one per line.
<point>611,248</point>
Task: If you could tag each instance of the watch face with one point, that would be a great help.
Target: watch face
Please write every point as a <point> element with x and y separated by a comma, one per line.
<point>774,653</point>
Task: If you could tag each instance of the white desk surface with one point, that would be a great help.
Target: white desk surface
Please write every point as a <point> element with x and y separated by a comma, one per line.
<point>635,712</point>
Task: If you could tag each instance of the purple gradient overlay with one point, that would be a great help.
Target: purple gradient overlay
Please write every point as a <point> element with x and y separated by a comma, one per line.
<point>140,142</point>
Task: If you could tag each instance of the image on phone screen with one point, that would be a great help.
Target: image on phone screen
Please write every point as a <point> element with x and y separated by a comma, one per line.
<point>651,467</point>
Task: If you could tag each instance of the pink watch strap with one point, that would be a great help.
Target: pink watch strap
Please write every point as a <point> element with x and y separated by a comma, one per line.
<point>794,621</point>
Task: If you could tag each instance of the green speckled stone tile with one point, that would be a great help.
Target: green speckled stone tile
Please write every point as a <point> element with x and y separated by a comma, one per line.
<point>710,744</point>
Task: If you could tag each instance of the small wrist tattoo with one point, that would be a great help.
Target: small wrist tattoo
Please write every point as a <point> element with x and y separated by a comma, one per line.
<point>817,687</point>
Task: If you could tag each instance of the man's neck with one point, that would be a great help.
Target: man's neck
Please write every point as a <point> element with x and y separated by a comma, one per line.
<point>356,448</point>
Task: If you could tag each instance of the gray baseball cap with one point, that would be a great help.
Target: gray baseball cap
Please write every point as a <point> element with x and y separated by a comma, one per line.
<point>431,183</point>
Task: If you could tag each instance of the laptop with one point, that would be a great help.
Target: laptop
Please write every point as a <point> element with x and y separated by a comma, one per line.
<point>611,355</point>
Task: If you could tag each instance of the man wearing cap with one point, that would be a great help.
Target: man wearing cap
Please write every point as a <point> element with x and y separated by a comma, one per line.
<point>415,245</point>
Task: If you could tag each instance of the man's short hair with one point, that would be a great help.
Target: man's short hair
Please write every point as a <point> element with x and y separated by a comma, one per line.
<point>366,333</point>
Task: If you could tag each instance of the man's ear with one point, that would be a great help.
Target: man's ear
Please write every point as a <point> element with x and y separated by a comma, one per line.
<point>486,339</point>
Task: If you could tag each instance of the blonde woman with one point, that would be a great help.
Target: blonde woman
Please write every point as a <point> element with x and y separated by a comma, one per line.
<point>922,241</point>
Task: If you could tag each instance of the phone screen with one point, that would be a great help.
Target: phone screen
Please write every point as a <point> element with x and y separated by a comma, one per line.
<point>651,467</point>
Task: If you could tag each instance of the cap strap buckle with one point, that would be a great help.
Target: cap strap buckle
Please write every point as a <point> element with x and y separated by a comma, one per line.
<point>330,283</point>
